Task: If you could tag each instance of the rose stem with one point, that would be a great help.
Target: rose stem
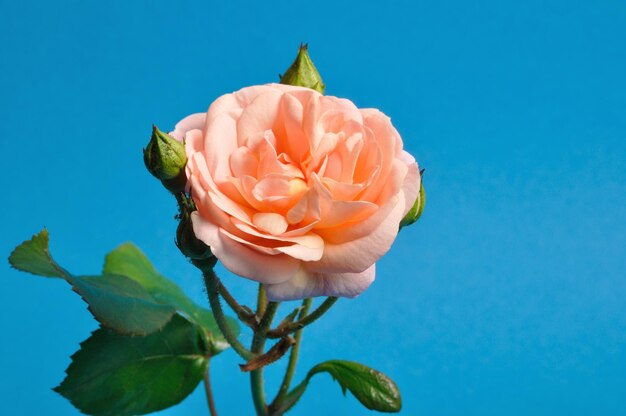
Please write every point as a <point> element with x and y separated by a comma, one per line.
<point>258,343</point>
<point>242,314</point>
<point>211,281</point>
<point>261,303</point>
<point>207,389</point>
<point>301,323</point>
<point>293,357</point>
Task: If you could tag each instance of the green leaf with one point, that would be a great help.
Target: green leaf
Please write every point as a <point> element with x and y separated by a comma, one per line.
<point>117,375</point>
<point>122,304</point>
<point>32,256</point>
<point>128,260</point>
<point>372,388</point>
<point>115,301</point>
<point>131,297</point>
<point>292,397</point>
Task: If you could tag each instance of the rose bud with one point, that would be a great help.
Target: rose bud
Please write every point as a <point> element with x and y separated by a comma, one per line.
<point>165,159</point>
<point>416,210</point>
<point>303,73</point>
<point>187,242</point>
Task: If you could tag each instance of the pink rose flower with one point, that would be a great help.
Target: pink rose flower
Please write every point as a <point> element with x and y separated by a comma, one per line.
<point>297,190</point>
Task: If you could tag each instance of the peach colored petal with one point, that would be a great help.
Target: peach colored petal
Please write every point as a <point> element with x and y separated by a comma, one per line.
<point>246,95</point>
<point>358,254</point>
<point>412,183</point>
<point>219,143</point>
<point>380,134</point>
<point>348,284</point>
<point>395,180</point>
<point>342,191</point>
<point>305,245</point>
<point>243,162</point>
<point>334,213</point>
<point>231,191</point>
<point>255,244</point>
<point>307,209</point>
<point>307,248</point>
<point>310,284</point>
<point>192,122</point>
<point>270,222</point>
<point>289,128</point>
<point>349,152</point>
<point>259,116</point>
<point>242,260</point>
<point>194,141</point>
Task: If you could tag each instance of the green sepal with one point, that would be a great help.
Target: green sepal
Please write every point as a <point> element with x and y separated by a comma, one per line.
<point>372,388</point>
<point>117,375</point>
<point>303,73</point>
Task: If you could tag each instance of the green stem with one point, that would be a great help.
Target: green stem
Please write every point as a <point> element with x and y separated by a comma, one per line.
<point>209,392</point>
<point>258,344</point>
<point>261,302</point>
<point>243,315</point>
<point>301,323</point>
<point>293,358</point>
<point>212,286</point>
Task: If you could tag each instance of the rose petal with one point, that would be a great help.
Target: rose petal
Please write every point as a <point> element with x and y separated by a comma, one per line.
<point>192,122</point>
<point>411,185</point>
<point>310,284</point>
<point>243,162</point>
<point>270,222</point>
<point>307,247</point>
<point>242,260</point>
<point>289,128</point>
<point>259,116</point>
<point>356,255</point>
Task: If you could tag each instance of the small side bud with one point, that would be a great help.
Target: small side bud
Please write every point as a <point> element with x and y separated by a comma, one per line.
<point>165,159</point>
<point>303,73</point>
<point>186,240</point>
<point>416,210</point>
<point>188,243</point>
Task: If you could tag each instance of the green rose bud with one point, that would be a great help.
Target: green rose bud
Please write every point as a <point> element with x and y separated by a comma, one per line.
<point>165,159</point>
<point>416,210</point>
<point>186,240</point>
<point>303,73</point>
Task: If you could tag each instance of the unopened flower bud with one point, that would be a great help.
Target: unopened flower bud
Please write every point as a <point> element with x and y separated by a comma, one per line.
<point>188,243</point>
<point>303,73</point>
<point>165,159</point>
<point>416,210</point>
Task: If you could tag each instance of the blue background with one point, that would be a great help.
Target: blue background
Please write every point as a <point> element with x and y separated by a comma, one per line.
<point>508,297</point>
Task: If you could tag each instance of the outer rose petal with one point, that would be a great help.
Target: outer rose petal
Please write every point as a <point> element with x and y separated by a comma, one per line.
<point>356,255</point>
<point>412,183</point>
<point>242,260</point>
<point>310,284</point>
<point>192,122</point>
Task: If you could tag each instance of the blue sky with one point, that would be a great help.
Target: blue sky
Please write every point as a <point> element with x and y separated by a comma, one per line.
<point>508,297</point>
